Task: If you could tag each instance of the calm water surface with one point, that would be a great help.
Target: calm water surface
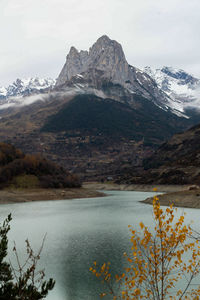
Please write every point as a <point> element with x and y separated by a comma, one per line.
<point>79,232</point>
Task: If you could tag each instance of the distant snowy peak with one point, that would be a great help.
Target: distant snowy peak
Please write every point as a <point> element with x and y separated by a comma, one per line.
<point>181,75</point>
<point>182,88</point>
<point>3,92</point>
<point>166,75</point>
<point>26,87</point>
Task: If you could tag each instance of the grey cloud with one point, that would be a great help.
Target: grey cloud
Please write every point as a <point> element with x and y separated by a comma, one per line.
<point>36,35</point>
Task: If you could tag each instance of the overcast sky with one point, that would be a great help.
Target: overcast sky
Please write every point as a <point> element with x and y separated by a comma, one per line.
<point>36,35</point>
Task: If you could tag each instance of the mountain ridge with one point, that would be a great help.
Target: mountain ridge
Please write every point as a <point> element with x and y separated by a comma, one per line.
<point>182,88</point>
<point>104,71</point>
<point>97,122</point>
<point>176,161</point>
<point>25,87</point>
<point>106,62</point>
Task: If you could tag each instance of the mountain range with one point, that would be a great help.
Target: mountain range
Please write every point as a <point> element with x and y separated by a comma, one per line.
<point>100,115</point>
<point>92,72</point>
<point>182,88</point>
<point>15,93</point>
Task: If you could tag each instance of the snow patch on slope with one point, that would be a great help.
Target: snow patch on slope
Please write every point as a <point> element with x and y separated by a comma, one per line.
<point>22,87</point>
<point>24,91</point>
<point>182,88</point>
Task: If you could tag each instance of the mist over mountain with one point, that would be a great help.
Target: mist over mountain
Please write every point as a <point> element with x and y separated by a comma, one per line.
<point>105,72</point>
<point>23,88</point>
<point>100,115</point>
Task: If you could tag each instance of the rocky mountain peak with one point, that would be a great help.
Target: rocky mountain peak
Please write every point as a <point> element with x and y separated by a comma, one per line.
<point>105,64</point>
<point>73,52</point>
<point>106,55</point>
<point>104,43</point>
<point>104,39</point>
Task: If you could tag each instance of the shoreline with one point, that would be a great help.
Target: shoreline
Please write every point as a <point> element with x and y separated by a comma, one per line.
<point>187,196</point>
<point>9,196</point>
<point>89,190</point>
<point>184,198</point>
<point>135,187</point>
<point>181,196</point>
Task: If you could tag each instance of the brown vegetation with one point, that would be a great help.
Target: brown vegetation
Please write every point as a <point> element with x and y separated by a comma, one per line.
<point>16,166</point>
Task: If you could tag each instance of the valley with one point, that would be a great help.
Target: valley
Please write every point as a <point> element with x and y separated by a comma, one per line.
<point>99,150</point>
<point>90,136</point>
<point>103,119</point>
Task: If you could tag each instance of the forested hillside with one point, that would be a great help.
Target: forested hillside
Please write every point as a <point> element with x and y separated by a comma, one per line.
<point>19,170</point>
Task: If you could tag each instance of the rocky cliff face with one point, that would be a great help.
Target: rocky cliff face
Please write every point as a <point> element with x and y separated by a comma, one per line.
<point>105,72</point>
<point>105,62</point>
<point>105,55</point>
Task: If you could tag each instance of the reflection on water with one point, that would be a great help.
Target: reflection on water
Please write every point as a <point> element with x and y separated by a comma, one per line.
<point>79,232</point>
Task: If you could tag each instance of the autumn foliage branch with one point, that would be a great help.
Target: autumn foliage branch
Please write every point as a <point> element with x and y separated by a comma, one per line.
<point>158,261</point>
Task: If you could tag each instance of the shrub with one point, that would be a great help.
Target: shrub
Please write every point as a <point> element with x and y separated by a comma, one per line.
<point>23,167</point>
<point>25,181</point>
<point>24,282</point>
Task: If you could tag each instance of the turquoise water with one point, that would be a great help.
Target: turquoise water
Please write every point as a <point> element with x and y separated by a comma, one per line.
<point>79,232</point>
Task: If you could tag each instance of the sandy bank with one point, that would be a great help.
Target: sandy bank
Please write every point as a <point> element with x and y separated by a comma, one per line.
<point>186,198</point>
<point>15,196</point>
<point>180,195</point>
<point>133,187</point>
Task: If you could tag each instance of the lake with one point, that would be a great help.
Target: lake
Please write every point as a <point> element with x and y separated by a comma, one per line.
<point>80,231</point>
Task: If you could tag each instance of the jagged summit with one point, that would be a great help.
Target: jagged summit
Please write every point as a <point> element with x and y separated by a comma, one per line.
<point>73,51</point>
<point>106,55</point>
<point>105,39</point>
<point>105,62</point>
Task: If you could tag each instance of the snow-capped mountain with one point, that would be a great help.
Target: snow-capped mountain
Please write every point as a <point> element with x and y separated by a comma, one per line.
<point>182,88</point>
<point>25,87</point>
<point>105,69</point>
<point>105,72</point>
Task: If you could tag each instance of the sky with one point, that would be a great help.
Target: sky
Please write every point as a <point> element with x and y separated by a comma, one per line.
<point>36,35</point>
